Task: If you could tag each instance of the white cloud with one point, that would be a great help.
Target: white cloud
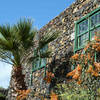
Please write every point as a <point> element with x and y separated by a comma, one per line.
<point>5,73</point>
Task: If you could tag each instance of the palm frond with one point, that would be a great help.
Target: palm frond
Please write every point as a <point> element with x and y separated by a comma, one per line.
<point>47,38</point>
<point>5,31</point>
<point>4,44</point>
<point>6,61</point>
<point>6,56</point>
<point>25,32</point>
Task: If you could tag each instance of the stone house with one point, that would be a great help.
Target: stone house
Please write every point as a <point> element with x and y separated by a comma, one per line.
<point>76,24</point>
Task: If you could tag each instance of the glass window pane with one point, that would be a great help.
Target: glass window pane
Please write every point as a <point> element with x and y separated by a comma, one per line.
<point>43,62</point>
<point>83,39</point>
<point>36,64</point>
<point>83,26</point>
<point>93,32</point>
<point>99,18</point>
<point>95,19</point>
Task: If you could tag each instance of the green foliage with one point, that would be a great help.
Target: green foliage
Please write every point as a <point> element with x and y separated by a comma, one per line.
<point>72,91</point>
<point>1,95</point>
<point>15,41</point>
<point>47,38</point>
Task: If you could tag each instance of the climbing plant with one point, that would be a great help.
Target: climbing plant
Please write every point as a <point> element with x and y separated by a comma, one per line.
<point>87,68</point>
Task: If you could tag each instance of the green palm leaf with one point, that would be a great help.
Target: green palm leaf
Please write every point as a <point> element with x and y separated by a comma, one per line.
<point>16,40</point>
<point>47,38</point>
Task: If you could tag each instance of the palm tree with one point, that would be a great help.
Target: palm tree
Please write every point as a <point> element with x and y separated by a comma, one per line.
<point>15,41</point>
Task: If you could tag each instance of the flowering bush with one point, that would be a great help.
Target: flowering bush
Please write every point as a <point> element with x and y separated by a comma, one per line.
<point>22,94</point>
<point>87,69</point>
<point>48,77</point>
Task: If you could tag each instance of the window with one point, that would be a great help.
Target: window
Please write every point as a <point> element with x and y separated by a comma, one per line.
<point>39,62</point>
<point>85,29</point>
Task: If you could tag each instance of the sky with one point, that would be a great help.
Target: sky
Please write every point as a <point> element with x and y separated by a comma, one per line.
<point>40,11</point>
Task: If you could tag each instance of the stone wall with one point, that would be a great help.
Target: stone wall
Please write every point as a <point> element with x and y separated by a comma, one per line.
<point>62,47</point>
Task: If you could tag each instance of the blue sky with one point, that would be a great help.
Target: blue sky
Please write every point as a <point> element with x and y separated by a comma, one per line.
<point>41,11</point>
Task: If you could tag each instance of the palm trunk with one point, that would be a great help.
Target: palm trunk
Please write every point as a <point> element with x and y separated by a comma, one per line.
<point>17,83</point>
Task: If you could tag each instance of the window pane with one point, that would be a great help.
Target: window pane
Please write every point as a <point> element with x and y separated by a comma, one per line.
<point>83,39</point>
<point>36,64</point>
<point>43,62</point>
<point>95,20</point>
<point>83,26</point>
<point>94,31</point>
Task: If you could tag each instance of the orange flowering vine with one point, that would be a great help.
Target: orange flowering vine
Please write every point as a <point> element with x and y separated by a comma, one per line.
<point>79,82</point>
<point>86,47</point>
<point>53,96</point>
<point>75,73</point>
<point>75,57</point>
<point>97,66</point>
<point>97,38</point>
<point>49,76</point>
<point>87,71</point>
<point>95,45</point>
<point>22,94</point>
<point>95,71</point>
<point>98,48</point>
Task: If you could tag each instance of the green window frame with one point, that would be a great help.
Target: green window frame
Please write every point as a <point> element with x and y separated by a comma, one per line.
<point>39,62</point>
<point>85,28</point>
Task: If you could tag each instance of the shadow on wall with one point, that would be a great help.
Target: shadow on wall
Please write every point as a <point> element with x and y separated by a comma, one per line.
<point>60,67</point>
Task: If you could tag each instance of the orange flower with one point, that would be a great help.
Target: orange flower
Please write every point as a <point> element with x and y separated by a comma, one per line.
<point>88,56</point>
<point>76,72</point>
<point>95,45</point>
<point>90,70</point>
<point>71,73</point>
<point>81,56</point>
<point>94,73</point>
<point>53,96</point>
<point>86,60</point>
<point>75,57</point>
<point>22,94</point>
<point>76,76</point>
<point>79,82</point>
<point>98,48</point>
<point>97,66</point>
<point>96,38</point>
<point>79,68</point>
<point>50,74</point>
<point>88,45</point>
<point>47,79</point>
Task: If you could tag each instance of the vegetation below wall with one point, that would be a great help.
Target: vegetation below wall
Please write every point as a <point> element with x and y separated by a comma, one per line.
<point>2,96</point>
<point>3,93</point>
